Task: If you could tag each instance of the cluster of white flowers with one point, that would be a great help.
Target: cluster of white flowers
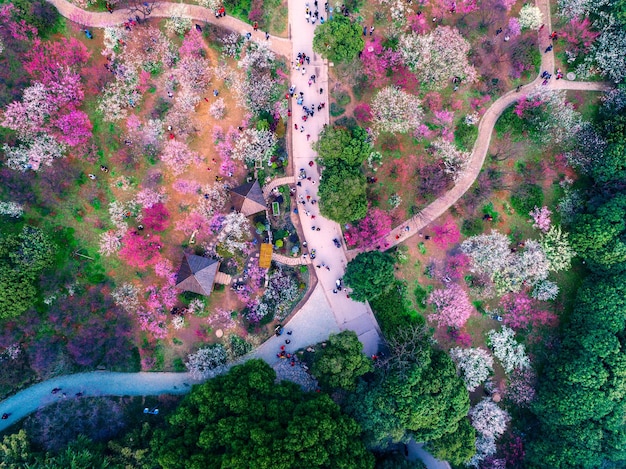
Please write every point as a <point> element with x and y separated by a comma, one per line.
<point>546,290</point>
<point>485,447</point>
<point>558,251</point>
<point>473,364</point>
<point>12,351</point>
<point>217,109</point>
<point>511,354</point>
<point>235,232</point>
<point>472,118</point>
<point>490,422</point>
<point>113,37</point>
<point>206,362</point>
<point>395,110</point>
<point>38,152</point>
<point>253,145</point>
<point>454,160</point>
<point>196,306</point>
<point>231,44</point>
<point>530,17</point>
<point>12,209</point>
<point>177,23</point>
<point>210,4</point>
<point>374,160</point>
<point>126,296</point>
<point>394,200</point>
<point>212,199</point>
<point>178,322</point>
<point>110,242</point>
<point>119,95</point>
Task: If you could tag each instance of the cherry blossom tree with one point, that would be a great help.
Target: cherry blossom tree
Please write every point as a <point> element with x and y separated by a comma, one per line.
<point>455,266</point>
<point>514,29</point>
<point>376,225</point>
<point>488,419</point>
<point>38,152</point>
<point>452,306</point>
<point>378,61</point>
<point>474,365</point>
<point>530,17</point>
<point>253,145</point>
<point>438,57</point>
<point>394,110</point>
<point>446,234</point>
<point>186,186</point>
<point>505,348</point>
<point>541,218</point>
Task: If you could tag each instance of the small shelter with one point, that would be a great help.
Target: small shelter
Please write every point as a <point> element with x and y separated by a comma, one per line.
<point>265,258</point>
<point>248,198</point>
<point>197,274</point>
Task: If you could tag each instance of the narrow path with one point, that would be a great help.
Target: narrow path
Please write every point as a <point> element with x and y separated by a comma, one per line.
<point>95,19</point>
<point>287,260</point>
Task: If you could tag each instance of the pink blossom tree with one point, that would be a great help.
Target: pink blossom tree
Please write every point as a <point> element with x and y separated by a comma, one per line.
<point>74,128</point>
<point>376,225</point>
<point>139,251</point>
<point>177,156</point>
<point>452,306</point>
<point>541,218</point>
<point>446,234</point>
<point>579,35</point>
<point>156,217</point>
<point>520,312</point>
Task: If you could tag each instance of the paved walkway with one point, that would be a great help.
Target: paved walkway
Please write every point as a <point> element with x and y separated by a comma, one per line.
<point>330,261</point>
<point>94,19</point>
<point>269,187</point>
<point>287,260</point>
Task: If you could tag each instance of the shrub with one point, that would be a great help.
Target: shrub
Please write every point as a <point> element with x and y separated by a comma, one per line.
<point>526,197</point>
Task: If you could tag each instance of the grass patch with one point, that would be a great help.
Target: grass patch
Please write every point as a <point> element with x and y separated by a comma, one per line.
<point>526,197</point>
<point>465,135</point>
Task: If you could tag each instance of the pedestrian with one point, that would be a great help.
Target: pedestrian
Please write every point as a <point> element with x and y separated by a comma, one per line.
<point>287,341</point>
<point>295,126</point>
<point>308,137</point>
<point>498,31</point>
<point>321,90</point>
<point>308,60</point>
<point>364,30</point>
<point>267,36</point>
<point>255,26</point>
<point>216,93</point>
<point>303,71</point>
<point>301,128</point>
<point>548,49</point>
<point>371,30</point>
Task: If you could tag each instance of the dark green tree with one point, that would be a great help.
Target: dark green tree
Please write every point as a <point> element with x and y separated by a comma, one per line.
<point>350,146</point>
<point>456,447</point>
<point>338,40</point>
<point>244,419</point>
<point>342,193</point>
<point>341,362</point>
<point>369,274</point>
<point>418,394</point>
<point>394,311</point>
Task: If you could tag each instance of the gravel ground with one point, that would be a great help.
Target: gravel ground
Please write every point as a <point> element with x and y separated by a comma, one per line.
<point>295,374</point>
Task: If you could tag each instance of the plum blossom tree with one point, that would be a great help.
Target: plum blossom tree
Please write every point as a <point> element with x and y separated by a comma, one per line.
<point>530,17</point>
<point>489,252</point>
<point>253,145</point>
<point>156,217</point>
<point>545,290</point>
<point>370,229</point>
<point>139,251</point>
<point>446,234</point>
<point>474,365</point>
<point>454,160</point>
<point>511,354</point>
<point>452,305</point>
<point>378,61</point>
<point>235,232</point>
<point>178,23</point>
<point>217,109</point>
<point>396,111</point>
<point>177,156</point>
<point>38,152</point>
<point>205,362</point>
<point>514,29</point>
<point>110,242</point>
<point>488,419</point>
<point>541,218</point>
<point>11,209</point>
<point>521,388</point>
<point>437,57</point>
<point>520,312</point>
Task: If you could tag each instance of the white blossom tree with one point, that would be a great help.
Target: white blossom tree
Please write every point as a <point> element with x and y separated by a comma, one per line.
<point>34,153</point>
<point>488,419</point>
<point>474,365</point>
<point>396,111</point>
<point>235,232</point>
<point>11,209</point>
<point>558,251</point>
<point>177,156</point>
<point>530,17</point>
<point>489,253</point>
<point>254,145</point>
<point>454,160</point>
<point>608,53</point>
<point>546,290</point>
<point>178,23</point>
<point>206,361</point>
<point>217,109</point>
<point>438,57</point>
<point>511,354</point>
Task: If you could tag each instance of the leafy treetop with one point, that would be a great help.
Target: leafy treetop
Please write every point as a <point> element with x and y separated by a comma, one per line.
<point>338,40</point>
<point>369,274</point>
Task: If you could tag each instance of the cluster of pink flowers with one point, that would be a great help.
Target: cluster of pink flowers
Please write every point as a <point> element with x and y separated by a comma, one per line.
<point>378,60</point>
<point>478,104</point>
<point>446,234</point>
<point>524,103</point>
<point>186,186</point>
<point>376,225</point>
<point>452,305</point>
<point>520,312</point>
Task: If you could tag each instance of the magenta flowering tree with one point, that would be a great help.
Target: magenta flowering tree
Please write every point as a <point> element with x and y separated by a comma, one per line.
<point>139,251</point>
<point>376,225</point>
<point>456,265</point>
<point>378,61</point>
<point>193,44</point>
<point>74,128</point>
<point>452,306</point>
<point>446,234</point>
<point>579,35</point>
<point>521,388</point>
<point>520,312</point>
<point>513,28</point>
<point>363,112</point>
<point>156,217</point>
